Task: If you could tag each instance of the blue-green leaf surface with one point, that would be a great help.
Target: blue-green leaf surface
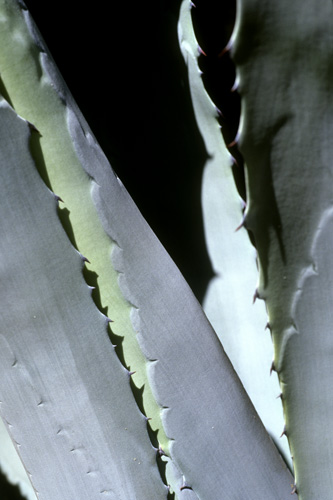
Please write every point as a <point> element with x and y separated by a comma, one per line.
<point>189,372</point>
<point>228,302</point>
<point>65,395</point>
<point>283,52</point>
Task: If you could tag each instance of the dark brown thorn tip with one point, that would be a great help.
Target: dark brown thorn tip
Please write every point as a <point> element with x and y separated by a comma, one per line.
<point>284,432</point>
<point>33,128</point>
<point>225,49</point>
<point>256,295</point>
<point>219,112</point>
<point>201,51</point>
<point>58,198</point>
<point>232,143</point>
<point>131,373</point>
<point>242,224</point>
<point>268,326</point>
<point>272,369</point>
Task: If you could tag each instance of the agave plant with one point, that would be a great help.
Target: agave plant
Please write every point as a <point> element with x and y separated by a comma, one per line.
<point>115,382</point>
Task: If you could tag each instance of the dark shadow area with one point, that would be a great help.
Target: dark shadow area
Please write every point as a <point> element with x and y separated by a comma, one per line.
<point>278,446</point>
<point>125,70</point>
<point>9,491</point>
<point>4,93</point>
<point>213,23</point>
<point>38,156</point>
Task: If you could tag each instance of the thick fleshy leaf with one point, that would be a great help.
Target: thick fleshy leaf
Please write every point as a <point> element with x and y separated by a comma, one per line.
<point>65,396</point>
<point>283,52</point>
<point>214,429</point>
<point>38,93</point>
<point>187,364</point>
<point>206,408</point>
<point>12,466</point>
<point>228,302</point>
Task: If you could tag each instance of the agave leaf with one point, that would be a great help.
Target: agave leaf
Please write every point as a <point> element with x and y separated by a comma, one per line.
<point>228,302</point>
<point>175,334</point>
<point>11,464</point>
<point>191,376</point>
<point>284,56</point>
<point>49,108</point>
<point>214,429</point>
<point>65,396</point>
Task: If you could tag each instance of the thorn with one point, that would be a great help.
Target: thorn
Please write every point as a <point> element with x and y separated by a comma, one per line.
<point>239,227</point>
<point>235,86</point>
<point>225,50</point>
<point>284,432</point>
<point>109,320</point>
<point>234,161</point>
<point>86,260</point>
<point>234,142</point>
<point>161,452</point>
<point>272,368</point>
<point>242,224</point>
<point>294,489</point>
<point>201,51</point>
<point>268,327</point>
<point>32,127</point>
<point>256,295</point>
<point>131,373</point>
<point>58,198</point>
<point>280,396</point>
<point>219,112</point>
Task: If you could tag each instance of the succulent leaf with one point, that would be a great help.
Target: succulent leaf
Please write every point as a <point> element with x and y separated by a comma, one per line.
<point>72,412</point>
<point>55,374</point>
<point>228,302</point>
<point>284,57</point>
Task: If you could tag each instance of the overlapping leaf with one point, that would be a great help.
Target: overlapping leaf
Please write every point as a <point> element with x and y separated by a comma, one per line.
<point>65,395</point>
<point>283,53</point>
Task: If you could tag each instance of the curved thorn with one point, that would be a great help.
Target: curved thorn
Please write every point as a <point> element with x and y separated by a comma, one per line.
<point>272,368</point>
<point>201,51</point>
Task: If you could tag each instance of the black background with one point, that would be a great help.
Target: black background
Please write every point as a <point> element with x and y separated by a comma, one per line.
<point>122,63</point>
